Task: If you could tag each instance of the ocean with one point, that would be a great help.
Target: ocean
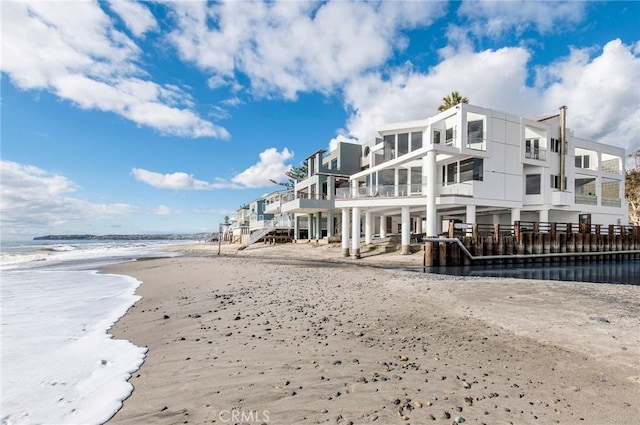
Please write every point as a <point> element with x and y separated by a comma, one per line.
<point>59,364</point>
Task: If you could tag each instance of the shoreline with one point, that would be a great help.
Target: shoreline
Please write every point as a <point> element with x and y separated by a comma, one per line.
<point>282,330</point>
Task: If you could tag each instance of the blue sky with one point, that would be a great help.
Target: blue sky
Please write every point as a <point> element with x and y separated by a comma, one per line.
<point>145,117</point>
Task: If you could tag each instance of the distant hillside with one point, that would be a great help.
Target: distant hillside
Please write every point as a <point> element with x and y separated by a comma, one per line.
<point>193,236</point>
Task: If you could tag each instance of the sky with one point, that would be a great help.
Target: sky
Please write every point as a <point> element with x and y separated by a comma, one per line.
<point>161,117</point>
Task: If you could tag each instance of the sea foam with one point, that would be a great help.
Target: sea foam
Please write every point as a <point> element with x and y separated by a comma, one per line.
<point>59,364</point>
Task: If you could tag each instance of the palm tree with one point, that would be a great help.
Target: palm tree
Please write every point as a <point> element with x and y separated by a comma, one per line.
<point>452,100</point>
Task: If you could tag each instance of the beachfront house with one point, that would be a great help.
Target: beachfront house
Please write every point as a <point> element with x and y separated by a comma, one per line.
<point>312,201</point>
<point>261,217</point>
<point>471,165</point>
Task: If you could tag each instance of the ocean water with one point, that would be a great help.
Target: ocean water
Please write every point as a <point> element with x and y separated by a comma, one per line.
<point>59,364</point>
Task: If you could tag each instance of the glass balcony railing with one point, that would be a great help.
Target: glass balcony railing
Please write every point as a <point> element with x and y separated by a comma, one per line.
<point>586,199</point>
<point>611,202</point>
<point>381,191</point>
<point>540,154</point>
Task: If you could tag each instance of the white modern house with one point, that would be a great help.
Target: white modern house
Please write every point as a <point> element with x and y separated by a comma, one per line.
<point>468,164</point>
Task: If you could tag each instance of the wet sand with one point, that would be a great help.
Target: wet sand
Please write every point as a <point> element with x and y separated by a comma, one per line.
<point>295,334</point>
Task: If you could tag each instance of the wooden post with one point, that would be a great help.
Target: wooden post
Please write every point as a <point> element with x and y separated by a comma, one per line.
<point>474,233</point>
<point>452,229</point>
<point>516,231</point>
<point>466,240</point>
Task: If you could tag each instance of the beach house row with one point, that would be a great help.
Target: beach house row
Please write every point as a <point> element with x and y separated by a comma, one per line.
<point>468,164</point>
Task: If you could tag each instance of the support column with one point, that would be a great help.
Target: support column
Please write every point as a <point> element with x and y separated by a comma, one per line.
<point>543,217</point>
<point>515,215</point>
<point>405,229</point>
<point>345,232</point>
<point>495,218</point>
<point>319,225</point>
<point>383,226</point>
<point>419,225</point>
<point>296,227</point>
<point>310,226</point>
<point>429,164</point>
<point>471,214</point>
<point>355,232</point>
<point>330,224</point>
<point>368,224</point>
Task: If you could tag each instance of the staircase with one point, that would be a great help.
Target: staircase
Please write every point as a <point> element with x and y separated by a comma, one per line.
<point>256,236</point>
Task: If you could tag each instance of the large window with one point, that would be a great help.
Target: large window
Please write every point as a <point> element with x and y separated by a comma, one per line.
<point>450,135</point>
<point>475,132</point>
<point>532,184</point>
<point>471,169</point>
<point>555,181</point>
<point>582,161</point>
<point>452,172</point>
<point>436,137</point>
<point>416,140</point>
<point>389,147</point>
<point>416,180</point>
<point>403,144</point>
<point>532,149</point>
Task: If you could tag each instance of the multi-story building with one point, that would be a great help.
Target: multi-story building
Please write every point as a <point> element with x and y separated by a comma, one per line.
<point>312,202</point>
<point>474,165</point>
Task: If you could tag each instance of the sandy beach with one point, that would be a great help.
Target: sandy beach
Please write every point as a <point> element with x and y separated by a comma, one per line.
<point>296,334</point>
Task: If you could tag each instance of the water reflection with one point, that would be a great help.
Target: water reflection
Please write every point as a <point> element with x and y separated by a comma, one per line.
<point>622,272</point>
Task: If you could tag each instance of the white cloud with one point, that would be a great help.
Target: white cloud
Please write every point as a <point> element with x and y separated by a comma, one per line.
<point>601,90</point>
<point>136,16</point>
<point>270,166</point>
<point>73,50</point>
<point>496,18</point>
<point>177,180</point>
<point>290,47</point>
<point>596,85</point>
<point>34,200</point>
<point>164,210</point>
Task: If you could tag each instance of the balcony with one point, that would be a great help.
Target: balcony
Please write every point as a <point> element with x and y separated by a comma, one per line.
<point>476,143</point>
<point>539,154</point>
<point>561,198</point>
<point>611,202</point>
<point>307,203</point>
<point>381,191</point>
<point>457,189</point>
<point>586,199</point>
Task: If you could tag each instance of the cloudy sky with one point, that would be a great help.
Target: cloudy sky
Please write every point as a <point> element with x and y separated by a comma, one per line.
<point>134,117</point>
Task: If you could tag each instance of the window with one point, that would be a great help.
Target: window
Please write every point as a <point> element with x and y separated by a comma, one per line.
<point>532,148</point>
<point>416,178</point>
<point>416,140</point>
<point>389,147</point>
<point>475,131</point>
<point>452,172</point>
<point>532,184</point>
<point>471,169</point>
<point>555,182</point>
<point>450,135</point>
<point>403,144</point>
<point>582,161</point>
<point>334,164</point>
<point>436,137</point>
<point>555,145</point>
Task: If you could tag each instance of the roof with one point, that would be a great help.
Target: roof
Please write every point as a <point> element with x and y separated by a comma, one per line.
<point>544,117</point>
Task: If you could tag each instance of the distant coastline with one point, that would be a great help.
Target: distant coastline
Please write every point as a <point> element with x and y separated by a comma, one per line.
<point>193,236</point>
